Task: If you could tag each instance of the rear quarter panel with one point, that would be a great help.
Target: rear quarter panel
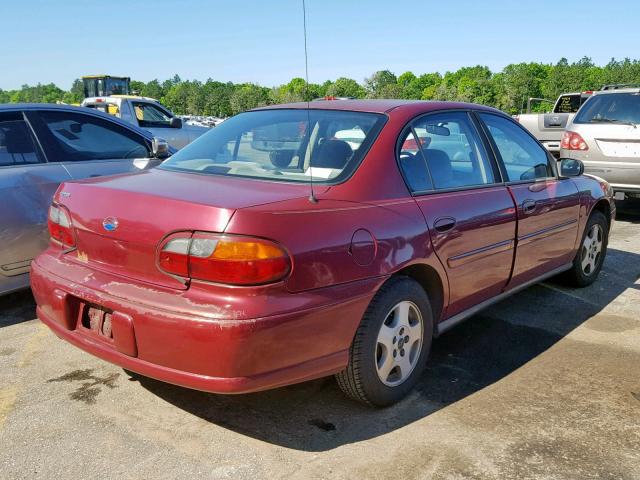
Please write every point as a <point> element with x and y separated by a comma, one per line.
<point>333,241</point>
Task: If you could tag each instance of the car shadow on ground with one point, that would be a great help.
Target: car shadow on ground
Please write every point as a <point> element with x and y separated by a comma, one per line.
<point>17,307</point>
<point>316,416</point>
<point>629,210</point>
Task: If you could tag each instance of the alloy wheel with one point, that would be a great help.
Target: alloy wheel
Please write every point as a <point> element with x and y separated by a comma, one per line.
<point>592,249</point>
<point>399,343</point>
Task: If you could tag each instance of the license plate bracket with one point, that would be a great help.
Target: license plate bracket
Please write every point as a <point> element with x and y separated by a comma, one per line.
<point>97,320</point>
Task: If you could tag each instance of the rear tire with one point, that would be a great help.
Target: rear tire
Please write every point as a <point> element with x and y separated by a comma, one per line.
<point>391,346</point>
<point>591,254</point>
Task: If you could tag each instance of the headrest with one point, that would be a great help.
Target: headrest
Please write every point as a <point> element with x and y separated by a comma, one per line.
<point>332,154</point>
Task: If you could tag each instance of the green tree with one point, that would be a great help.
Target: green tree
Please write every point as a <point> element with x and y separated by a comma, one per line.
<point>248,96</point>
<point>136,87</point>
<point>516,83</point>
<point>294,91</point>
<point>217,98</point>
<point>507,89</point>
<point>345,87</point>
<point>414,87</point>
<point>571,77</point>
<point>621,71</point>
<point>468,84</point>
<point>382,83</point>
<point>76,94</point>
<point>152,89</point>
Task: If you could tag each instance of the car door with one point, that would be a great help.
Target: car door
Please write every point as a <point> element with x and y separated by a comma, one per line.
<point>469,212</point>
<point>548,206</point>
<point>27,185</point>
<point>88,145</point>
<point>158,121</point>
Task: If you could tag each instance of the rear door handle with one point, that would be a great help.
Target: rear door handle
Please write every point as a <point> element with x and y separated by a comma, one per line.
<point>529,206</point>
<point>444,224</point>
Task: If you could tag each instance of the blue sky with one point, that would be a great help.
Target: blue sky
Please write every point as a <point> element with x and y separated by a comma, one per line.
<point>262,42</point>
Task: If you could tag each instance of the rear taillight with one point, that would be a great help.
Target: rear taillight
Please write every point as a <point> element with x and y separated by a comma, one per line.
<point>60,226</point>
<point>573,141</point>
<point>233,260</point>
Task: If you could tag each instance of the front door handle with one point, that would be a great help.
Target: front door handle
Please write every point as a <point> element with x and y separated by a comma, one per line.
<point>444,224</point>
<point>529,206</point>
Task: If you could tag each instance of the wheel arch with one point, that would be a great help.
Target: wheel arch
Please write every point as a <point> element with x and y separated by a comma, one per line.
<point>603,206</point>
<point>430,280</point>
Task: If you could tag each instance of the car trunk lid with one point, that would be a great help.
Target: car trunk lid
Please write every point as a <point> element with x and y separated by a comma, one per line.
<point>617,141</point>
<point>119,222</point>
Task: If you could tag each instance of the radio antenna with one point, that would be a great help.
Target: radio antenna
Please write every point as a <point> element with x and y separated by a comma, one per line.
<point>312,195</point>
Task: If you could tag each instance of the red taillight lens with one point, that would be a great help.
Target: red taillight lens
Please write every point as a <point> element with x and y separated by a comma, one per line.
<point>226,259</point>
<point>573,141</point>
<point>60,226</point>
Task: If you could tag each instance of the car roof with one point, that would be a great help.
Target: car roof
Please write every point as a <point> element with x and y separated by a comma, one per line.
<point>119,97</point>
<point>38,106</point>
<point>613,91</point>
<point>380,106</point>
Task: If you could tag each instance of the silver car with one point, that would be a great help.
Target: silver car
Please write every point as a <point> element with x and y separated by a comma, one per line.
<point>44,145</point>
<point>605,135</point>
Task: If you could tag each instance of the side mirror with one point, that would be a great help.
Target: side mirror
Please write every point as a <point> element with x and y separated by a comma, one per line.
<point>159,148</point>
<point>175,122</point>
<point>570,167</point>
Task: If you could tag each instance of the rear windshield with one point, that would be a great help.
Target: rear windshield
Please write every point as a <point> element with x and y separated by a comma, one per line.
<point>284,145</point>
<point>569,103</point>
<point>621,108</point>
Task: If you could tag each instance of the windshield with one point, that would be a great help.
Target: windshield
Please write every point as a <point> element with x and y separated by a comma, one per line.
<point>283,145</point>
<point>611,108</point>
<point>117,86</point>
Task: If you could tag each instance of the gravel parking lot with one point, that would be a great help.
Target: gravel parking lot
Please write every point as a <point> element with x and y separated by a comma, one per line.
<point>545,385</point>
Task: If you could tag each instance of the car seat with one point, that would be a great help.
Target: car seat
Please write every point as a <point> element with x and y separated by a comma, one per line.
<point>332,154</point>
<point>415,171</point>
<point>19,145</point>
<point>440,167</point>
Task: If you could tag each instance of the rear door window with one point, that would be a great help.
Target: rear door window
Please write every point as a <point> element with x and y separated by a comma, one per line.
<point>17,145</point>
<point>70,136</point>
<point>523,158</point>
<point>454,153</point>
<point>413,164</point>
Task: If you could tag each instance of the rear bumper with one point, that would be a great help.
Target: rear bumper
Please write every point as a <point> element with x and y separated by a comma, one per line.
<point>626,188</point>
<point>210,354</point>
<point>623,174</point>
<point>553,146</point>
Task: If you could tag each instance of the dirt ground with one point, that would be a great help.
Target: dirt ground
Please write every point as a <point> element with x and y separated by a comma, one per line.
<point>545,385</point>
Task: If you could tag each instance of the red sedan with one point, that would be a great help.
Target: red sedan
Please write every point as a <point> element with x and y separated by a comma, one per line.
<point>299,241</point>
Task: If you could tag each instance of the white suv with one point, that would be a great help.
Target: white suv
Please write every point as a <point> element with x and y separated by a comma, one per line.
<point>605,135</point>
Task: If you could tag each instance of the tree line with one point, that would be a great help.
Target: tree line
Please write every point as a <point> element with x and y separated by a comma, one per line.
<point>507,90</point>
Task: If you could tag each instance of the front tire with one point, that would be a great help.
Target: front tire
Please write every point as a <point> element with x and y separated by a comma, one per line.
<point>391,346</point>
<point>590,256</point>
